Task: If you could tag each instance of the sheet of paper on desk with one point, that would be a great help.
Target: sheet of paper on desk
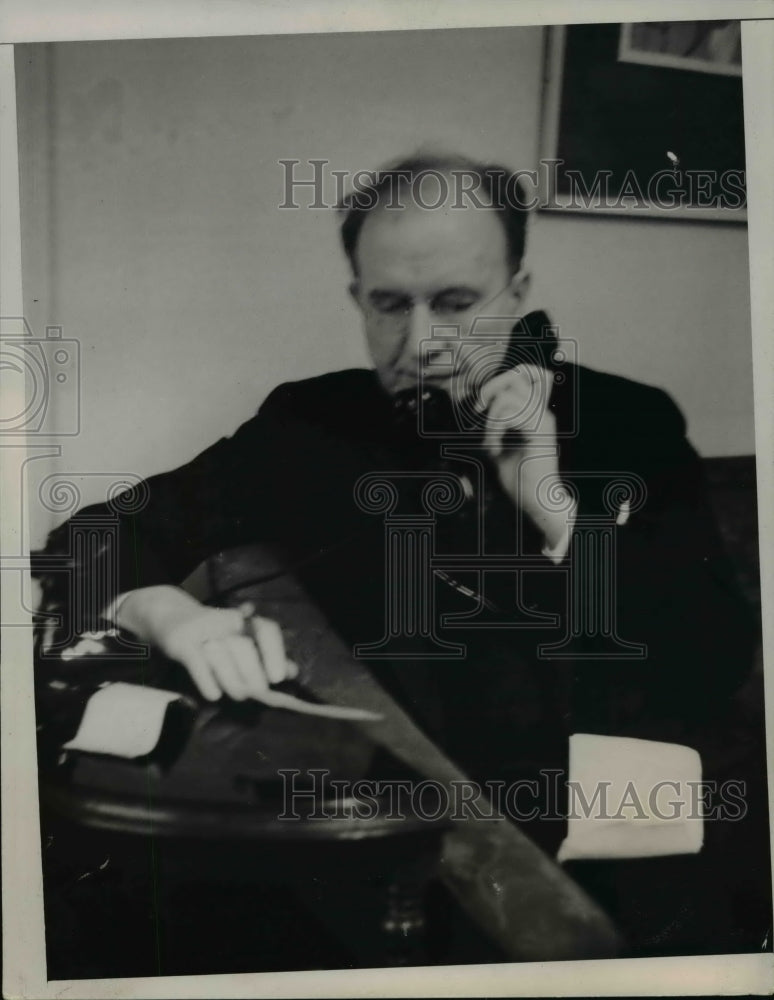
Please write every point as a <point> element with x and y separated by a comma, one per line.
<point>631,798</point>
<point>280,699</point>
<point>126,720</point>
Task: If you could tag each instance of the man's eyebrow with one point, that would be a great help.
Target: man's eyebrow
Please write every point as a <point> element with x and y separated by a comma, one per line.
<point>458,290</point>
<point>377,293</point>
<point>394,293</point>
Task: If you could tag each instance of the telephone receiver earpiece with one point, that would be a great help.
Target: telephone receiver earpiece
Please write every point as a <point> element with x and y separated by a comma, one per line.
<point>534,337</point>
<point>428,409</point>
<point>425,415</point>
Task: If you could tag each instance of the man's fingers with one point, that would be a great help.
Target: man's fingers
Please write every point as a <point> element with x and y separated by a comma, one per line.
<point>536,373</point>
<point>248,663</point>
<point>201,674</point>
<point>221,658</point>
<point>525,379</point>
<point>506,413</point>
<point>493,436</point>
<point>268,638</point>
<point>514,378</point>
<point>515,400</point>
<point>490,389</point>
<point>224,668</point>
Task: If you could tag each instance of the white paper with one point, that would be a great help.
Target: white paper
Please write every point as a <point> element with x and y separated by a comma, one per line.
<point>651,806</point>
<point>280,699</point>
<point>124,720</point>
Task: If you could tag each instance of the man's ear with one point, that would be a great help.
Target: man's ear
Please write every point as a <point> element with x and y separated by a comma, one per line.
<point>519,284</point>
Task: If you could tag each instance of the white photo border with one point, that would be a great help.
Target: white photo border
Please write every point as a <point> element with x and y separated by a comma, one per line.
<point>23,943</point>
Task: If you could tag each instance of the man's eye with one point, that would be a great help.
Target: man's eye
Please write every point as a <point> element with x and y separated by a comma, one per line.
<point>391,303</point>
<point>453,303</point>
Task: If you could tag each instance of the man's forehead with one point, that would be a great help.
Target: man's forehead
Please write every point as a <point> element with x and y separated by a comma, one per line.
<point>466,239</point>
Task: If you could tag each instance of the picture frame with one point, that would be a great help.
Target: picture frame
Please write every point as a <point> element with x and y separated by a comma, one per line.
<point>703,46</point>
<point>627,131</point>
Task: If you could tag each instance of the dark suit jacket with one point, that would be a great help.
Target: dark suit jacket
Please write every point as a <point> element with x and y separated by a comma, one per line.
<point>287,476</point>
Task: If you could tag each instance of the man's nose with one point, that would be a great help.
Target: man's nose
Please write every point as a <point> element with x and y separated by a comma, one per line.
<point>419,328</point>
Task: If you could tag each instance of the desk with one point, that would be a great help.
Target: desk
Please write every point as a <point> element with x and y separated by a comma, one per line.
<point>215,792</point>
<point>205,812</point>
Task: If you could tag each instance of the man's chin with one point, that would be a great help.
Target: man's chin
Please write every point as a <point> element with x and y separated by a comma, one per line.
<point>400,386</point>
<point>452,386</point>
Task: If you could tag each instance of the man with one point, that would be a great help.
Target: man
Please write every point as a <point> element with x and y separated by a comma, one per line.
<point>545,446</point>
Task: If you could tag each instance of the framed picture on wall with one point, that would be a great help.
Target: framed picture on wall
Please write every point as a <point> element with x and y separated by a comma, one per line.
<point>701,46</point>
<point>644,119</point>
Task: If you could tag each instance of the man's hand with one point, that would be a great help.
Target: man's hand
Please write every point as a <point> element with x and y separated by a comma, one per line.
<point>225,651</point>
<point>520,438</point>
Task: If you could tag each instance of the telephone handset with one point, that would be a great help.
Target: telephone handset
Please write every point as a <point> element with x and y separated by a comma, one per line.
<point>438,435</point>
<point>425,414</point>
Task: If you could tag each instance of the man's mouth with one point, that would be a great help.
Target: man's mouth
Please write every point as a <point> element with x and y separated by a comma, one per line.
<point>410,380</point>
<point>436,376</point>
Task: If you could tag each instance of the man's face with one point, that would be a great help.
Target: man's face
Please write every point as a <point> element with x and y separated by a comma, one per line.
<point>443,268</point>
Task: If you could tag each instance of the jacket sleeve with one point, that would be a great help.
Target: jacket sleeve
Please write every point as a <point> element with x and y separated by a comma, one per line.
<point>161,529</point>
<point>673,591</point>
